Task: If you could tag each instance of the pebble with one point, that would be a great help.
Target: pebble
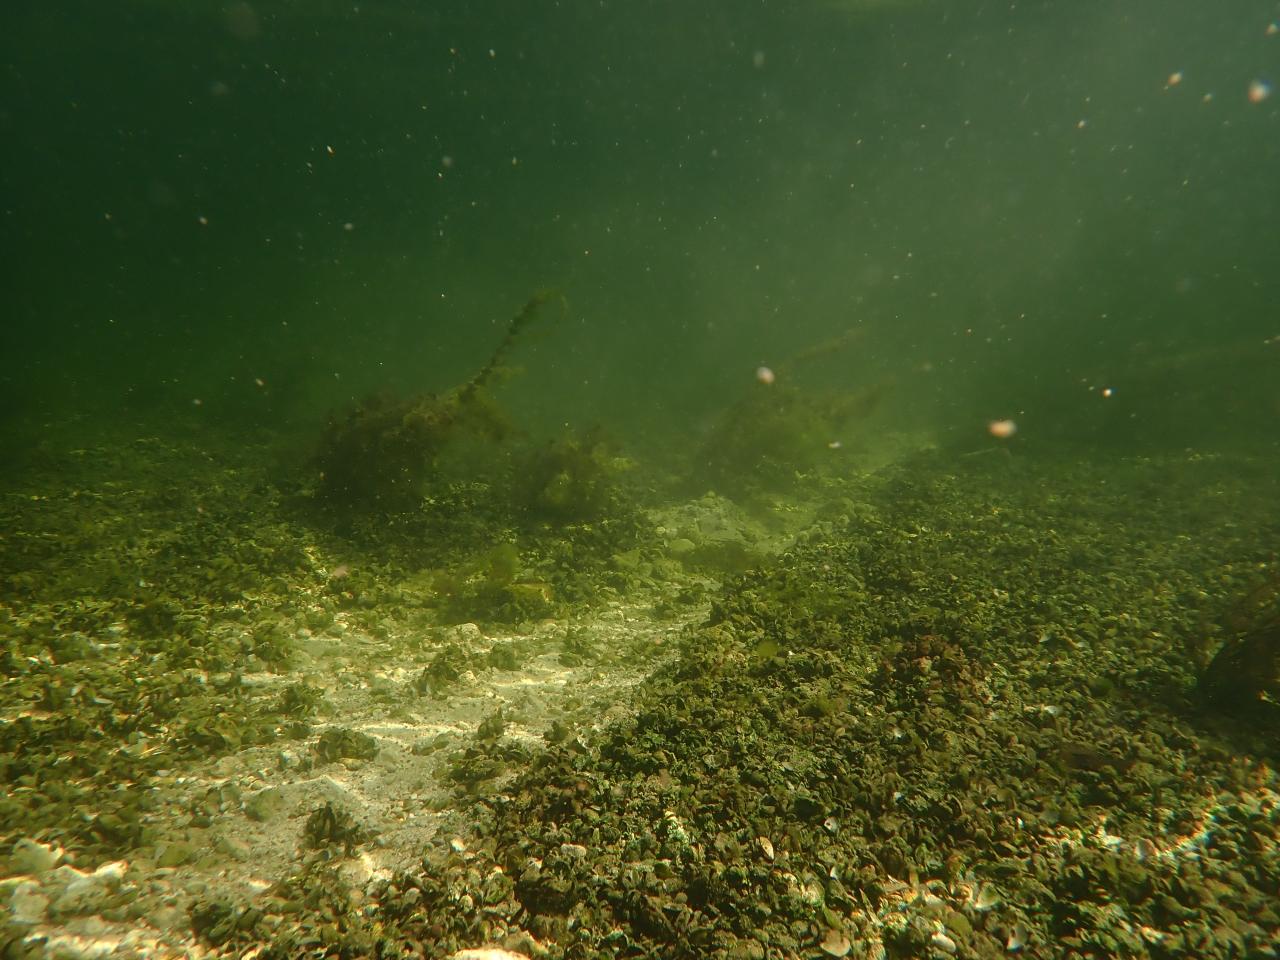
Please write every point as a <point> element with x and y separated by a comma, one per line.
<point>175,855</point>
<point>463,632</point>
<point>943,943</point>
<point>835,944</point>
<point>29,856</point>
<point>27,905</point>
<point>233,847</point>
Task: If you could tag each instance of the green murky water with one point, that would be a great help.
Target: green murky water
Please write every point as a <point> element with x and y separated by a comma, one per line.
<point>750,478</point>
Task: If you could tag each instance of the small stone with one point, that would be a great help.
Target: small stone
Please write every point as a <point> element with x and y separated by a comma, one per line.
<point>174,855</point>
<point>167,917</point>
<point>1101,686</point>
<point>1017,938</point>
<point>234,848</point>
<point>521,942</point>
<point>766,847</point>
<point>27,905</point>
<point>264,805</point>
<point>504,656</point>
<point>463,633</point>
<point>78,894</point>
<point>835,944</point>
<point>29,856</point>
<point>985,898</point>
<point>111,873</point>
<point>958,924</point>
<point>627,561</point>
<point>943,942</point>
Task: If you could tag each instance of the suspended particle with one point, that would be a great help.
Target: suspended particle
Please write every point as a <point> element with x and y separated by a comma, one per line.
<point>1002,429</point>
<point>765,375</point>
<point>1259,90</point>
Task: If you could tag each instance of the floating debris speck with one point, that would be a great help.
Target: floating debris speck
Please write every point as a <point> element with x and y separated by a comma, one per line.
<point>1002,429</point>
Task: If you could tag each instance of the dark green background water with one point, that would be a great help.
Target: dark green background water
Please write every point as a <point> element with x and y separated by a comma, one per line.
<point>1008,200</point>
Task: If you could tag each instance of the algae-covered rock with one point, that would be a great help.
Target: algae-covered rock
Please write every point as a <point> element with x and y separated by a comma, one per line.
<point>1244,675</point>
<point>379,457</point>
<point>570,480</point>
<point>265,805</point>
<point>338,743</point>
<point>330,826</point>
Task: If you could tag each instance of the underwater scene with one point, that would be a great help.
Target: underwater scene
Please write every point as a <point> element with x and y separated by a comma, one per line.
<point>666,479</point>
